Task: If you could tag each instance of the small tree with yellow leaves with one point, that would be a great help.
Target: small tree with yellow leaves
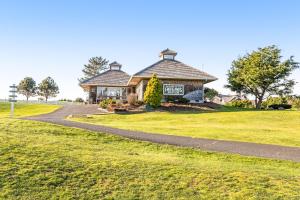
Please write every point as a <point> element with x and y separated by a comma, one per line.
<point>153,93</point>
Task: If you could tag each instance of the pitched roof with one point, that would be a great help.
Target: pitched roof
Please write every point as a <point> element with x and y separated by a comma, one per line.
<point>170,69</point>
<point>108,78</point>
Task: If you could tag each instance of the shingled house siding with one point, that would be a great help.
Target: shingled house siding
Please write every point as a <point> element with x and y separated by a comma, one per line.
<point>189,85</point>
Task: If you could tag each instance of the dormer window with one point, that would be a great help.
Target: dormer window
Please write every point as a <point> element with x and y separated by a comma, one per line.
<point>115,66</point>
<point>168,54</point>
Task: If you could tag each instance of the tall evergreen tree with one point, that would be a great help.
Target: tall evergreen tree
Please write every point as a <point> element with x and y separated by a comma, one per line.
<point>27,87</point>
<point>95,66</point>
<point>154,92</point>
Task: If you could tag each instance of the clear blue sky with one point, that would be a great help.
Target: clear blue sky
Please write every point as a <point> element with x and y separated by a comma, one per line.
<point>55,38</point>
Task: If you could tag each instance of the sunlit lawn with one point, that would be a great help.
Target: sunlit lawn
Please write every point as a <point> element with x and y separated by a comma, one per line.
<point>24,109</point>
<point>270,127</point>
<point>44,161</point>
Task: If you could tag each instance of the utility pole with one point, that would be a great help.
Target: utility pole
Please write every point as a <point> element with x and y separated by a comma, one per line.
<point>12,99</point>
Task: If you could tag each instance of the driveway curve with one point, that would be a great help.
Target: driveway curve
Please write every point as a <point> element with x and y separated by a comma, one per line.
<point>242,148</point>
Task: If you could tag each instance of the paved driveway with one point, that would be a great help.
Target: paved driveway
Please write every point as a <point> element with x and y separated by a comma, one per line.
<point>242,148</point>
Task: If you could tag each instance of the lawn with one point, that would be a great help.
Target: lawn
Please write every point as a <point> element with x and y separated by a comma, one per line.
<point>43,161</point>
<point>269,127</point>
<point>23,109</point>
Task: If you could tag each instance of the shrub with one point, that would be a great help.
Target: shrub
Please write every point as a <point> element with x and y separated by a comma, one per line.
<point>280,106</point>
<point>273,101</point>
<point>170,99</point>
<point>132,99</point>
<point>296,103</point>
<point>241,103</point>
<point>183,100</point>
<point>105,102</point>
<point>80,100</point>
<point>140,102</point>
<point>210,93</point>
<point>153,93</point>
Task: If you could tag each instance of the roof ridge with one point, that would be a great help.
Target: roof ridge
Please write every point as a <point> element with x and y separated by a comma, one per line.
<point>196,69</point>
<point>179,62</point>
<point>148,67</point>
<point>86,80</point>
<point>102,74</point>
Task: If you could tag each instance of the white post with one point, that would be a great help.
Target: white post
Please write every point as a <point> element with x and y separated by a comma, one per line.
<point>12,99</point>
<point>12,107</point>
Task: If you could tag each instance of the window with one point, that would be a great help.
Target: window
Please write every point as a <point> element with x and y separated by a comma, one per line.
<point>111,91</point>
<point>170,57</point>
<point>115,67</point>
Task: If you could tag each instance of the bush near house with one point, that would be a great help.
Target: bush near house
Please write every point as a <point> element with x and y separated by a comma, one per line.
<point>153,93</point>
<point>172,99</point>
<point>105,102</point>
<point>241,103</point>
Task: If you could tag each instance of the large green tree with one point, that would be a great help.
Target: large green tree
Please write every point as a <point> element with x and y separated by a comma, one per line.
<point>95,66</point>
<point>262,73</point>
<point>27,87</point>
<point>48,88</point>
<point>153,93</point>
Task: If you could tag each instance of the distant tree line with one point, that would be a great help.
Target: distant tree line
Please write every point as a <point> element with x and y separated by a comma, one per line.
<point>47,88</point>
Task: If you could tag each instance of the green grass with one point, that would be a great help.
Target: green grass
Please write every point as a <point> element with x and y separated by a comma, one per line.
<point>269,127</point>
<point>43,161</point>
<point>24,110</point>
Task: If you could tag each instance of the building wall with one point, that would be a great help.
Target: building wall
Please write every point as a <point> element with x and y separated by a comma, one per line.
<point>140,90</point>
<point>189,87</point>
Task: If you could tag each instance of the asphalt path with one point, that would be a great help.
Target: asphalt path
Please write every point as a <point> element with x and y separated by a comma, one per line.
<point>242,148</point>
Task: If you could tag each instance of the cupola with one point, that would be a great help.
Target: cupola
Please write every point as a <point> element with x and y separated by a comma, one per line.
<point>168,54</point>
<point>115,66</point>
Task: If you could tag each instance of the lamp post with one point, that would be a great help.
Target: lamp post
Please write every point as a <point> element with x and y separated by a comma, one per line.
<point>12,99</point>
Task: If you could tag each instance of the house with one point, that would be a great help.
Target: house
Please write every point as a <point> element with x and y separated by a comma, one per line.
<point>224,99</point>
<point>178,80</point>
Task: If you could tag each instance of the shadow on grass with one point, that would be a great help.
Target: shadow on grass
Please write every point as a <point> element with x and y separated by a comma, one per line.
<point>220,109</point>
<point>192,111</point>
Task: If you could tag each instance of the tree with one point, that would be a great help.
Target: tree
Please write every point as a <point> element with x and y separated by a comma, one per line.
<point>262,74</point>
<point>48,88</point>
<point>153,93</point>
<point>95,66</point>
<point>210,93</point>
<point>27,87</point>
